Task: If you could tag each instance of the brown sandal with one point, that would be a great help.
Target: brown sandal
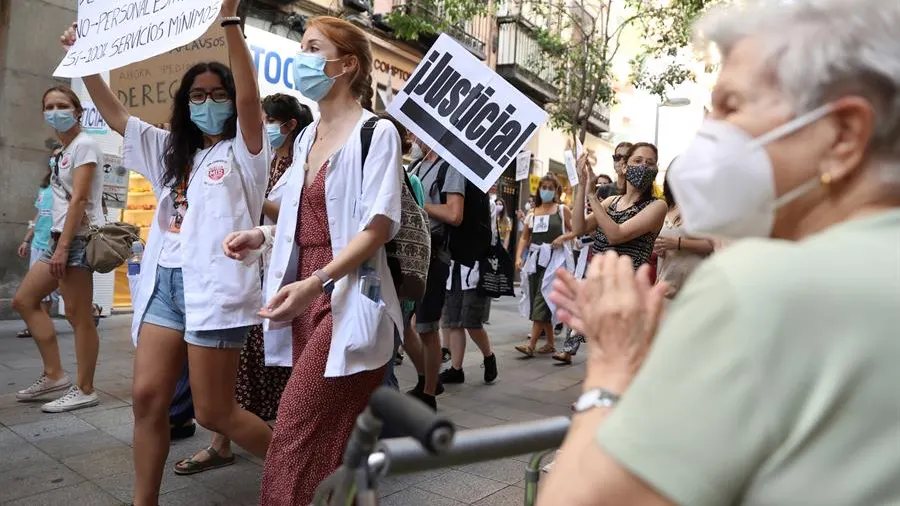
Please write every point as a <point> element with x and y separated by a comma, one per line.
<point>563,357</point>
<point>191,466</point>
<point>545,349</point>
<point>526,350</point>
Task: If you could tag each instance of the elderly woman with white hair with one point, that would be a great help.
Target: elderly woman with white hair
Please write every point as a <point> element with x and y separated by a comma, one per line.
<point>773,378</point>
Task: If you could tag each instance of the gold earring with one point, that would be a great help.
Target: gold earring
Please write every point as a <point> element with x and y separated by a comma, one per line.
<point>825,179</point>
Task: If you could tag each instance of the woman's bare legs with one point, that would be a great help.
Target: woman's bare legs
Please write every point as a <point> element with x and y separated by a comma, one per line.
<point>80,313</point>
<point>38,284</point>
<point>158,363</point>
<point>213,375</point>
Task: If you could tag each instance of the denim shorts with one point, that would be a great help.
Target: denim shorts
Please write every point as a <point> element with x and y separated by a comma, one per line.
<point>77,251</point>
<point>166,309</point>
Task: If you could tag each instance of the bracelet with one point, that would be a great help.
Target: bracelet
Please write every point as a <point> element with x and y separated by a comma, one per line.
<point>230,20</point>
<point>679,244</point>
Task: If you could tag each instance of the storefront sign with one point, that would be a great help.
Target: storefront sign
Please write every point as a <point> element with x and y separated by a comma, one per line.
<point>115,182</point>
<point>466,112</point>
<point>115,33</point>
<point>91,121</point>
<point>274,60</point>
<point>533,183</point>
<point>387,68</point>
<point>147,88</point>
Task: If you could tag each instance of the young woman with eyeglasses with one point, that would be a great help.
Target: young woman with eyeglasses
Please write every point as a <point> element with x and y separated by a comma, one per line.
<point>76,184</point>
<point>209,175</point>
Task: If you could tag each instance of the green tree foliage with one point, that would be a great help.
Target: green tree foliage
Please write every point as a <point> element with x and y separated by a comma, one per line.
<point>580,40</point>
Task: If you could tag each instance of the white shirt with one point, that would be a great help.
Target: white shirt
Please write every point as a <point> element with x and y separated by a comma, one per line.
<point>82,150</point>
<point>224,196</point>
<point>363,330</point>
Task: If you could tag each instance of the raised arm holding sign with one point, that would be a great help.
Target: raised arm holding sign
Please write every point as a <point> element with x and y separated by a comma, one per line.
<point>209,173</point>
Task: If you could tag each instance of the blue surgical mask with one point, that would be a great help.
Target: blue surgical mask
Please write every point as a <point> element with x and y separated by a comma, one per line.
<point>276,138</point>
<point>547,195</point>
<point>62,120</point>
<point>310,78</point>
<point>210,117</point>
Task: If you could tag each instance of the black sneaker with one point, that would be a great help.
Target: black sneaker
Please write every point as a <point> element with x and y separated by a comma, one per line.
<point>429,400</point>
<point>420,387</point>
<point>490,368</point>
<point>453,375</point>
<point>445,355</point>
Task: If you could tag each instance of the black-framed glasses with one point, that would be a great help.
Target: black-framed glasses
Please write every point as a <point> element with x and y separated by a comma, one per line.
<point>219,96</point>
<point>618,158</point>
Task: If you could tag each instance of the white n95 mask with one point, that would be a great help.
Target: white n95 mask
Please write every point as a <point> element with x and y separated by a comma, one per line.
<point>724,182</point>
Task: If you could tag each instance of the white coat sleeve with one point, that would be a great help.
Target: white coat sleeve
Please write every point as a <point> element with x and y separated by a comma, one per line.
<point>381,182</point>
<point>143,149</point>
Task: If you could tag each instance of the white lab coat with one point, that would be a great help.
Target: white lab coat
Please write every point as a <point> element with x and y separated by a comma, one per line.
<point>363,330</point>
<point>551,258</point>
<point>225,195</point>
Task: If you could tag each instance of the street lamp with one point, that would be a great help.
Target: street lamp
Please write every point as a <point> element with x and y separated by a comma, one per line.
<point>672,102</point>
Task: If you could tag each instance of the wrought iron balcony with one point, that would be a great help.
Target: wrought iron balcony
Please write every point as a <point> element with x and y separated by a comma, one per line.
<point>521,61</point>
<point>472,34</point>
<point>598,121</point>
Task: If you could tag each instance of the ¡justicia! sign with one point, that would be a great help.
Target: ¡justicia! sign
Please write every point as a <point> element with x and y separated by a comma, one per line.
<point>466,112</point>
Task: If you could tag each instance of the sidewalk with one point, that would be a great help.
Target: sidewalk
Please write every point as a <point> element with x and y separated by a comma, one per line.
<point>84,457</point>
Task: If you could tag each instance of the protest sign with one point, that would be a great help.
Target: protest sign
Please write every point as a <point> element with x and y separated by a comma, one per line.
<point>570,159</point>
<point>114,33</point>
<point>115,181</point>
<point>147,88</point>
<point>91,121</point>
<point>466,113</point>
<point>523,165</point>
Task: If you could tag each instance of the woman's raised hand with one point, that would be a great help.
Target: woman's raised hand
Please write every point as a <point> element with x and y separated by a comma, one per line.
<point>69,36</point>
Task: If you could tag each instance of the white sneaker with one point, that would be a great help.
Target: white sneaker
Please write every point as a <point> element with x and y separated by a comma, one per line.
<point>74,399</point>
<point>42,387</point>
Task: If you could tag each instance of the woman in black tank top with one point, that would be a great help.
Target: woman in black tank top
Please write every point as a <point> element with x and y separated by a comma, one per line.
<point>628,223</point>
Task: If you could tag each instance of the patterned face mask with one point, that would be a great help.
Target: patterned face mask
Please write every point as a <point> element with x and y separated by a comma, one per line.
<point>641,176</point>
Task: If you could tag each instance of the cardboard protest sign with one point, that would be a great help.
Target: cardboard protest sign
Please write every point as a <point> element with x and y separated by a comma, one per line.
<point>466,113</point>
<point>523,165</point>
<point>114,33</point>
<point>147,88</point>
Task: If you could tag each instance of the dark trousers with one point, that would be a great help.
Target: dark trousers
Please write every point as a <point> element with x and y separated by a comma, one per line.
<point>182,408</point>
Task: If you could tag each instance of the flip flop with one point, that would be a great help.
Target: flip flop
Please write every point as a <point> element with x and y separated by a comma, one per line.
<point>190,466</point>
<point>564,358</point>
<point>25,333</point>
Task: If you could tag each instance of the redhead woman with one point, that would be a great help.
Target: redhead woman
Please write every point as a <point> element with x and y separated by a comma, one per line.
<point>209,176</point>
<point>76,184</point>
<point>332,308</point>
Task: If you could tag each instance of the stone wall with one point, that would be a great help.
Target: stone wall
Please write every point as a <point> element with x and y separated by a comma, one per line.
<point>29,52</point>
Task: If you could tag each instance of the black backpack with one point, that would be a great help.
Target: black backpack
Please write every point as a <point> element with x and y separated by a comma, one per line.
<point>470,241</point>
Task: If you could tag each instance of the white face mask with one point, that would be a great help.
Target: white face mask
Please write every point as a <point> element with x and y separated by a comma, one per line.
<point>415,152</point>
<point>724,182</point>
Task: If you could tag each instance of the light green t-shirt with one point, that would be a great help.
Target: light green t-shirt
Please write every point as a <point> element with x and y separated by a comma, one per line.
<point>775,378</point>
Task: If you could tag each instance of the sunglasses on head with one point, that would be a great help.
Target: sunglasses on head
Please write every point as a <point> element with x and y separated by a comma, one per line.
<point>618,158</point>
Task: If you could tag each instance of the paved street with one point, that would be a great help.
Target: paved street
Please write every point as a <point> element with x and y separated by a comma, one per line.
<point>84,457</point>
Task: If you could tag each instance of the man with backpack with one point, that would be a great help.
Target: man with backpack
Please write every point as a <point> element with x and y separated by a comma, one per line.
<point>444,203</point>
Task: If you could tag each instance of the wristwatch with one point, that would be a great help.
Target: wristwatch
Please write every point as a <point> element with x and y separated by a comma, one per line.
<point>327,282</point>
<point>596,398</point>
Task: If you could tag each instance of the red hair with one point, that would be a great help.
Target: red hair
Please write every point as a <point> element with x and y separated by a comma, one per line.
<point>350,40</point>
